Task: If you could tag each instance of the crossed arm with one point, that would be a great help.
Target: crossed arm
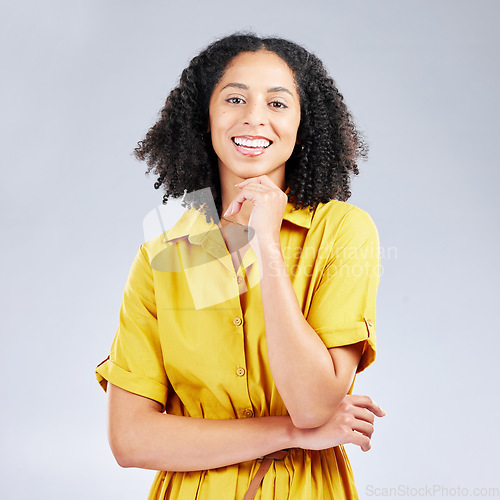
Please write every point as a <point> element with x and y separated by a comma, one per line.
<point>311,379</point>
<point>141,435</point>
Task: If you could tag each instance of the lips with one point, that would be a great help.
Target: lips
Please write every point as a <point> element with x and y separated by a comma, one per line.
<point>251,145</point>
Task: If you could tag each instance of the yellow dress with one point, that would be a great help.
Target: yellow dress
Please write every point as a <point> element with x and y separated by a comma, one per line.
<point>191,336</point>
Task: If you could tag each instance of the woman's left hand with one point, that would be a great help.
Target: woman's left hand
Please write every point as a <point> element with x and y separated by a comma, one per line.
<point>269,203</point>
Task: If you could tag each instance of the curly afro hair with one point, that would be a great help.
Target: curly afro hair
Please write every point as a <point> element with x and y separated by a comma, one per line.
<point>179,150</point>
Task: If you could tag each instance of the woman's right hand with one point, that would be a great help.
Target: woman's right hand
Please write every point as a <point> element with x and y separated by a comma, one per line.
<point>352,423</point>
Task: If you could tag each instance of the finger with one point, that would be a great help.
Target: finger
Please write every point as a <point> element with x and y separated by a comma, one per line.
<point>366,402</point>
<point>363,427</point>
<point>363,414</point>
<point>260,179</point>
<point>246,181</point>
<point>249,192</point>
<point>360,440</point>
<point>255,186</point>
<point>235,206</point>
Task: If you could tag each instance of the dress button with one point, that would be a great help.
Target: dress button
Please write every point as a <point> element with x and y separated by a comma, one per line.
<point>237,321</point>
<point>240,372</point>
<point>248,413</point>
<point>239,279</point>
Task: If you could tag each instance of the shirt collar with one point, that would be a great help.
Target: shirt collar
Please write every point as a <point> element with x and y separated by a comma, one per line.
<point>301,217</point>
<point>192,223</point>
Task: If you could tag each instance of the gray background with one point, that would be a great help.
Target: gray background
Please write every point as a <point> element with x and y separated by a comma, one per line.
<point>82,82</point>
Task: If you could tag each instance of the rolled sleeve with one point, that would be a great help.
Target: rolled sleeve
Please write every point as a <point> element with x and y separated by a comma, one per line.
<point>343,307</point>
<point>135,362</point>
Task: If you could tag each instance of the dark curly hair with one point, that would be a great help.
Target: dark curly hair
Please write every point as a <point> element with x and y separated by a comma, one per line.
<point>179,150</point>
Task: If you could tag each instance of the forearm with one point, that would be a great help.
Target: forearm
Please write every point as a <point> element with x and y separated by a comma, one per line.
<point>142,436</point>
<point>302,367</point>
<point>159,441</point>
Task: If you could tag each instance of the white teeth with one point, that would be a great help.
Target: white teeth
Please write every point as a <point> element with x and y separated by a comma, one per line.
<point>257,143</point>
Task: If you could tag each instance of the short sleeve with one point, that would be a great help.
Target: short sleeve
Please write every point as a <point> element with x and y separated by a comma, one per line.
<point>342,309</point>
<point>135,362</point>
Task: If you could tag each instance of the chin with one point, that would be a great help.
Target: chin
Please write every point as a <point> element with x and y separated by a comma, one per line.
<point>249,170</point>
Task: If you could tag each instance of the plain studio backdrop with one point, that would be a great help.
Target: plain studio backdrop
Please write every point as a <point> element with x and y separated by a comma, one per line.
<point>83,81</point>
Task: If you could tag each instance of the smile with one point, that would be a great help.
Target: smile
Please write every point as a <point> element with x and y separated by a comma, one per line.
<point>252,142</point>
<point>251,146</point>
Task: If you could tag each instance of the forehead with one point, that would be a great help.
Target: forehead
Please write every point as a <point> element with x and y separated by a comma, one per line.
<point>259,68</point>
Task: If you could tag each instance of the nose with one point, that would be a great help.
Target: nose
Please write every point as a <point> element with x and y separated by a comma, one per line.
<point>255,114</point>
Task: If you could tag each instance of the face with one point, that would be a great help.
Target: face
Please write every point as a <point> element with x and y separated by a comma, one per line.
<point>254,116</point>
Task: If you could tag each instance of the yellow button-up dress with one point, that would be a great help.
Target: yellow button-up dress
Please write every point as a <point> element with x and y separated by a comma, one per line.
<point>191,336</point>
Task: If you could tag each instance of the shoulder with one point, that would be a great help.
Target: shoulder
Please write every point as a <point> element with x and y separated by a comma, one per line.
<point>165,225</point>
<point>154,245</point>
<point>342,219</point>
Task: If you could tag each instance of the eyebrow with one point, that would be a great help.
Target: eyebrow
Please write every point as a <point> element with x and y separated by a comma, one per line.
<point>270,90</point>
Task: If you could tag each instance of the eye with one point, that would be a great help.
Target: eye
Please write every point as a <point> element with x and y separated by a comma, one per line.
<point>235,100</point>
<point>278,105</point>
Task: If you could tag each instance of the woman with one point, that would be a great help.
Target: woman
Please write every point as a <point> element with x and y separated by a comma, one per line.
<point>228,348</point>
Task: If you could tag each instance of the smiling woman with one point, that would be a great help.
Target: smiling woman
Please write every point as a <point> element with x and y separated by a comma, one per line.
<point>254,118</point>
<point>232,377</point>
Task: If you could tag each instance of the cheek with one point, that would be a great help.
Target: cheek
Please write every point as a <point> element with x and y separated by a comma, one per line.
<point>218,141</point>
<point>289,125</point>
<point>219,122</point>
<point>292,130</point>
<point>296,130</point>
